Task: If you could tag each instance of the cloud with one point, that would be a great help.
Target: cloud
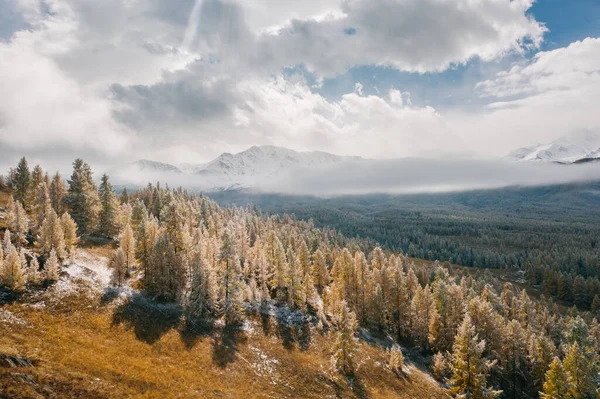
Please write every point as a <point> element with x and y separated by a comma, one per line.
<point>540,100</point>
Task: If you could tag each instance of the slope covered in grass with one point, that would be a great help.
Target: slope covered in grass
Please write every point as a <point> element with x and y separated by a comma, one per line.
<point>86,340</point>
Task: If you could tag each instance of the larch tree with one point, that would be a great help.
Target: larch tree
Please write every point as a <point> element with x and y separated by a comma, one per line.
<point>127,244</point>
<point>70,232</point>
<point>52,267</point>
<point>118,265</point>
<point>14,275</point>
<point>345,346</point>
<point>514,357</point>
<point>396,361</point>
<point>124,196</point>
<point>107,219</point>
<point>231,279</point>
<point>581,372</point>
<point>439,366</point>
<point>33,272</point>
<point>556,384</point>
<point>52,236</point>
<point>42,205</point>
<point>18,223</point>
<point>58,192</point>
<point>293,281</point>
<point>319,270</point>
<point>469,367</point>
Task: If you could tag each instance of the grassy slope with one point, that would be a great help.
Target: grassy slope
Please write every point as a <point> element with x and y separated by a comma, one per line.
<point>83,348</point>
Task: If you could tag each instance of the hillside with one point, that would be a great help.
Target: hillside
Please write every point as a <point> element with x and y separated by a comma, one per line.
<point>82,339</point>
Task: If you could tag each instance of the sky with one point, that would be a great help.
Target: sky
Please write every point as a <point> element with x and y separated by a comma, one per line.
<point>182,81</point>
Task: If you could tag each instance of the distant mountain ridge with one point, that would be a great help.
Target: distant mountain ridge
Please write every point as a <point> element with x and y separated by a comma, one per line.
<point>572,148</point>
<point>229,171</point>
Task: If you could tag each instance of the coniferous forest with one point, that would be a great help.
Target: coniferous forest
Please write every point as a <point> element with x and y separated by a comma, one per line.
<point>480,338</point>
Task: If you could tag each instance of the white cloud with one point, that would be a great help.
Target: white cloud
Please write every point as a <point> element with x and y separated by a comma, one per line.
<point>540,100</point>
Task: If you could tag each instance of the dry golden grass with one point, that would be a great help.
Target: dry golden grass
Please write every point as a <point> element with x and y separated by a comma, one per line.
<point>85,349</point>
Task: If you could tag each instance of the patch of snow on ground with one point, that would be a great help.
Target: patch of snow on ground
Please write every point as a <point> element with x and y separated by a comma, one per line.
<point>264,365</point>
<point>7,317</point>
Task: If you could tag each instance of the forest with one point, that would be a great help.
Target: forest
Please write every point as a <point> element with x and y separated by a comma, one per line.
<point>481,339</point>
<point>550,232</point>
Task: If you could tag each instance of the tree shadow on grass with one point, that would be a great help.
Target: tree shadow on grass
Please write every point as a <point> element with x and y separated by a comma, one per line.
<point>150,320</point>
<point>225,346</point>
<point>193,332</point>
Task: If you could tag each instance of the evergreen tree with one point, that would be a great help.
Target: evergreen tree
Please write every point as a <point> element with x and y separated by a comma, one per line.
<point>22,183</point>
<point>556,384</point>
<point>469,367</point>
<point>124,197</point>
<point>82,197</point>
<point>319,269</point>
<point>108,199</point>
<point>345,346</point>
<point>42,205</point>
<point>439,366</point>
<point>293,281</point>
<point>231,279</point>
<point>33,272</point>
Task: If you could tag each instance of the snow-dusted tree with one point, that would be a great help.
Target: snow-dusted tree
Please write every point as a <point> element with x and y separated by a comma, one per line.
<point>82,197</point>
<point>345,346</point>
<point>469,367</point>
<point>304,257</point>
<point>421,307</point>
<point>296,299</point>
<point>14,274</point>
<point>581,371</point>
<point>439,366</point>
<point>52,236</point>
<point>42,206</point>
<point>319,269</point>
<point>119,267</point>
<point>396,361</point>
<point>556,384</point>
<point>276,257</point>
<point>70,232</point>
<point>232,275</point>
<point>127,244</point>
<point>541,353</point>
<point>18,223</point>
<point>202,301</point>
<point>124,217</point>
<point>33,272</point>
<point>52,267</point>
<point>58,192</point>
<point>107,225</point>
<point>22,183</point>
<point>514,357</point>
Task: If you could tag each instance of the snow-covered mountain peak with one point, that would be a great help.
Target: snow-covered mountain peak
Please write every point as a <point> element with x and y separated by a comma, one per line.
<point>571,148</point>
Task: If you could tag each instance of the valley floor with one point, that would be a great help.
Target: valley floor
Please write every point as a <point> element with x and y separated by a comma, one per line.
<point>81,338</point>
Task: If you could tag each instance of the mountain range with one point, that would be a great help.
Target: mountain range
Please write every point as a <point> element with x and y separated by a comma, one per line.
<point>228,171</point>
<point>580,146</point>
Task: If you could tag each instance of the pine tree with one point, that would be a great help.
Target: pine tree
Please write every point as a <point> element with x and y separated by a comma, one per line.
<point>556,384</point>
<point>52,236</point>
<point>231,279</point>
<point>127,244</point>
<point>58,192</point>
<point>119,267</point>
<point>293,281</point>
<point>42,205</point>
<point>107,222</point>
<point>469,368</point>
<point>51,267</point>
<point>396,361</point>
<point>82,197</point>
<point>124,196</point>
<point>345,346</point>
